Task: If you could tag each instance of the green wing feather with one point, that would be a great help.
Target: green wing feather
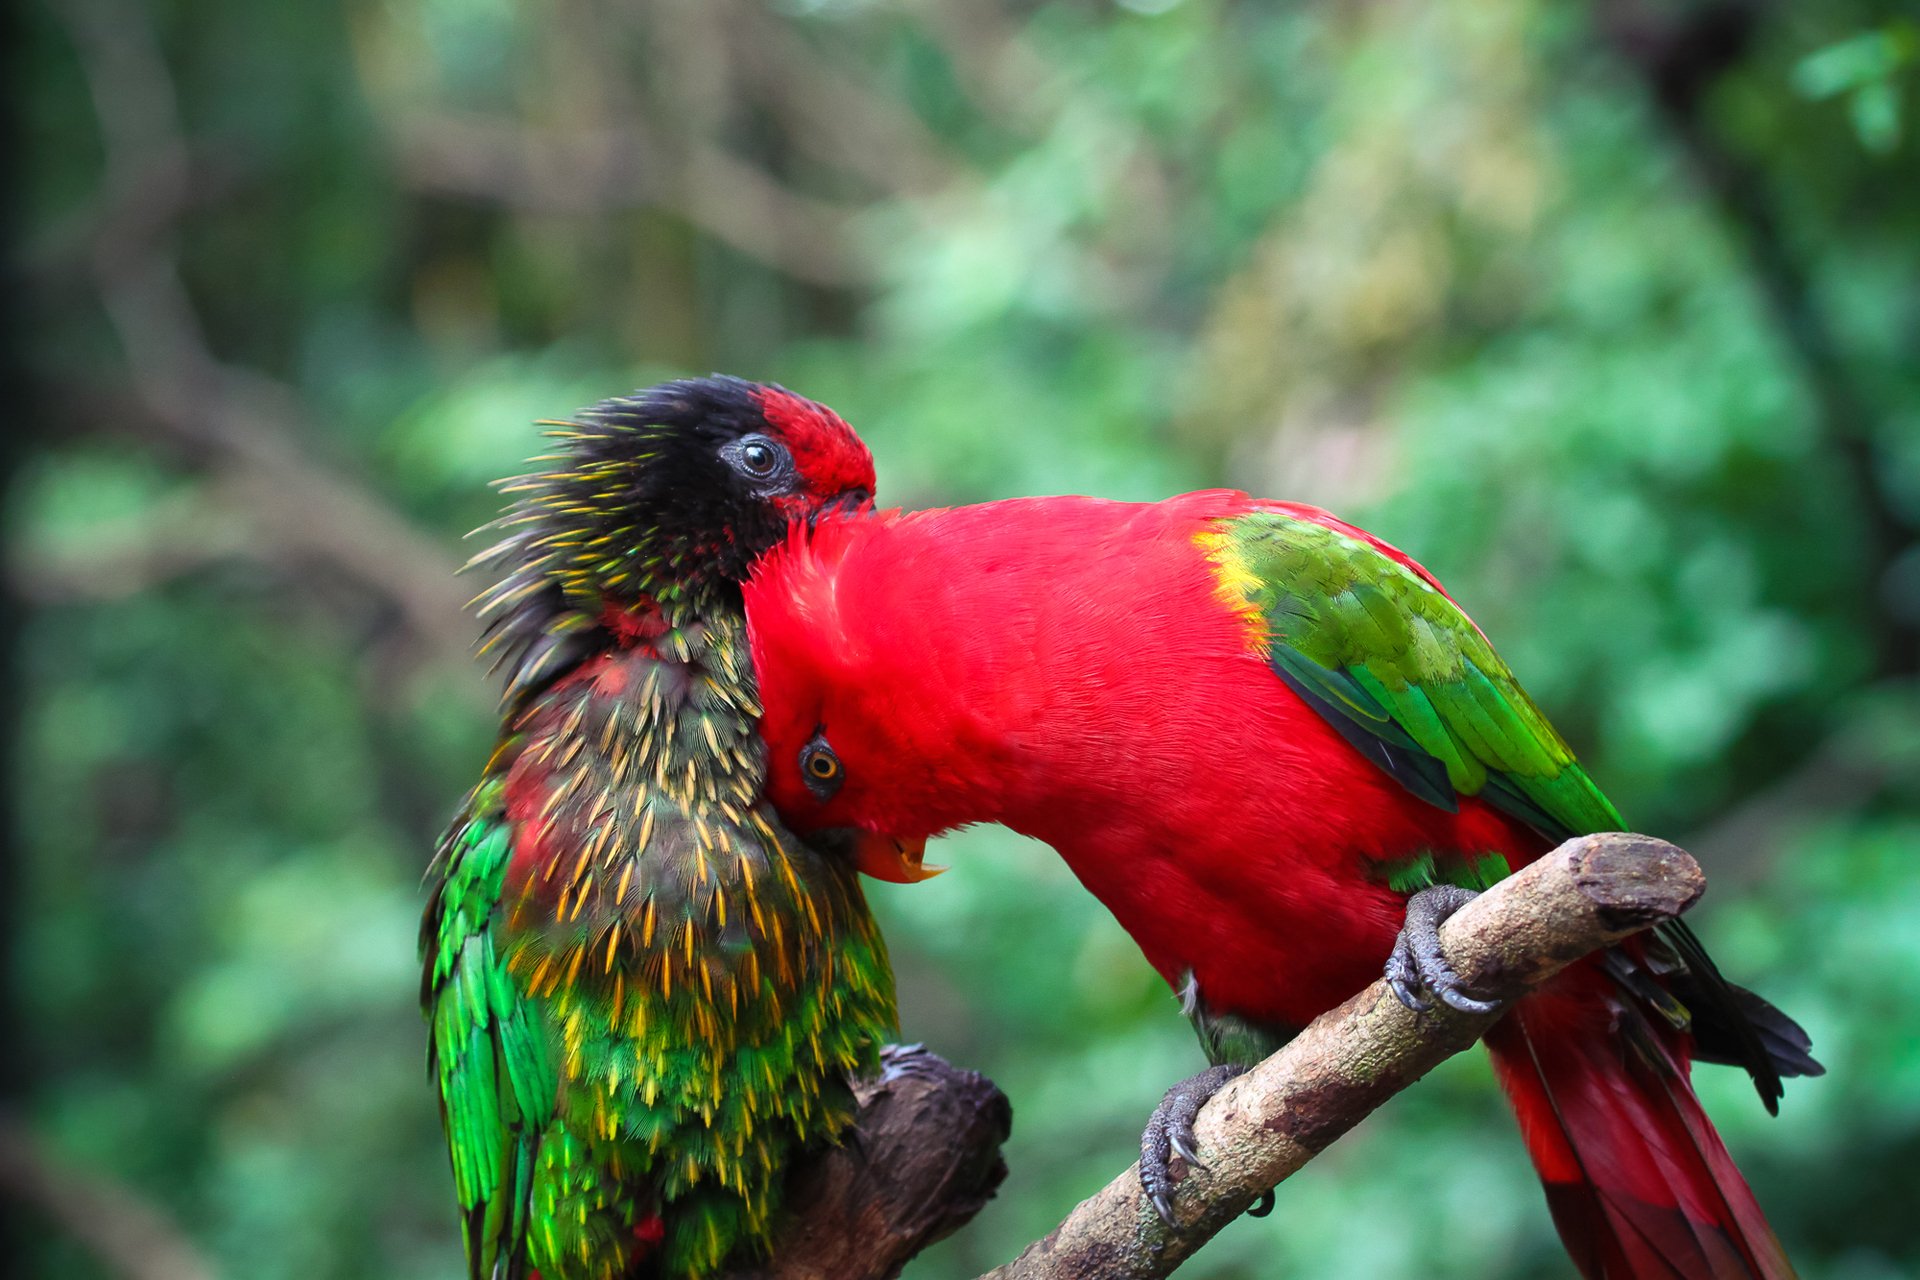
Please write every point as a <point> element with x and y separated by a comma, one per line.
<point>487,1053</point>
<point>642,1017</point>
<point>1391,661</point>
<point>1369,640</point>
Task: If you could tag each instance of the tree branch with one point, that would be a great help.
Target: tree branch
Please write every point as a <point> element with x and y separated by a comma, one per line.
<point>1678,59</point>
<point>130,1236</point>
<point>926,1155</point>
<point>925,1158</point>
<point>714,189</point>
<point>245,427</point>
<point>1587,894</point>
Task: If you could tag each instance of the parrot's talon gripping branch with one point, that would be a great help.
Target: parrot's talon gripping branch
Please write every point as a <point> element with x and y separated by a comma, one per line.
<point>1169,1133</point>
<point>1587,895</point>
<point>1419,964</point>
<point>1404,980</point>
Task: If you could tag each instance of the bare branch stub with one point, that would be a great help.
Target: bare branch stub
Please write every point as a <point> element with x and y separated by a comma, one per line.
<point>130,1235</point>
<point>924,1159</point>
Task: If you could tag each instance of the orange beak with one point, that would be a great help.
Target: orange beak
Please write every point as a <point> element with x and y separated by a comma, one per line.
<point>892,859</point>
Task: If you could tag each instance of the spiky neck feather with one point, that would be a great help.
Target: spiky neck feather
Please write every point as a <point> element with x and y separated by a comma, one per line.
<point>619,519</point>
<point>636,512</point>
<point>713,983</point>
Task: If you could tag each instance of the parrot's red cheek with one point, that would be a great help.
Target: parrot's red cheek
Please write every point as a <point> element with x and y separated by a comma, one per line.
<point>798,807</point>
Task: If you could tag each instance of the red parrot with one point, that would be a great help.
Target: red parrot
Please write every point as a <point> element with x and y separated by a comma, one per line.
<point>1277,750</point>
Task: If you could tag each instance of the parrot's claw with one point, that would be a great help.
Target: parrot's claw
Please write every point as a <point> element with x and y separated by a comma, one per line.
<point>1418,966</point>
<point>900,1061</point>
<point>1169,1133</point>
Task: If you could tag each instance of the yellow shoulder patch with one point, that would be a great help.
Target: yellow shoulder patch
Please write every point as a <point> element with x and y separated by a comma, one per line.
<point>1235,584</point>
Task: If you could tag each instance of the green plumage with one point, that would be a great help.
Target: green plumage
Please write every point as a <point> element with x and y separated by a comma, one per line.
<point>1390,660</point>
<point>1378,649</point>
<point>646,996</point>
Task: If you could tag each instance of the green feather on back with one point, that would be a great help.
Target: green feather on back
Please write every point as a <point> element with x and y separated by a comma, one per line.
<point>1401,671</point>
<point>1371,642</point>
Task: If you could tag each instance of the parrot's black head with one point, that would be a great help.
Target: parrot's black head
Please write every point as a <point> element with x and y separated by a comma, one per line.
<point>665,496</point>
<point>680,486</point>
<point>684,483</point>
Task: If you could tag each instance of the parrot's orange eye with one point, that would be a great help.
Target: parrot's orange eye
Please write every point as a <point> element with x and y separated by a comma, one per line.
<point>820,768</point>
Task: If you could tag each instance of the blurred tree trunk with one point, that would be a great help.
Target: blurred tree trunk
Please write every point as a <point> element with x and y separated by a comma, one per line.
<point>17,395</point>
<point>1678,58</point>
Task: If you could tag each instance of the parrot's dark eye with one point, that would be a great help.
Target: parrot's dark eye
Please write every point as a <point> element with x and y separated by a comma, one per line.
<point>820,769</point>
<point>758,459</point>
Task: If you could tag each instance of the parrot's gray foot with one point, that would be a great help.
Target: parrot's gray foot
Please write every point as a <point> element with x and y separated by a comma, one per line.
<point>1169,1133</point>
<point>898,1061</point>
<point>1418,966</point>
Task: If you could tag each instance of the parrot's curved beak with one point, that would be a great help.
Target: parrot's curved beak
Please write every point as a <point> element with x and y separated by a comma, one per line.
<point>893,859</point>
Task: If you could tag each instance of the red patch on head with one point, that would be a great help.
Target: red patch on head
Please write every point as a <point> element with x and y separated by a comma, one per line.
<point>831,458</point>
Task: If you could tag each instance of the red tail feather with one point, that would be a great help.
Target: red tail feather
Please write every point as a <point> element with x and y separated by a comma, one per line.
<point>1637,1180</point>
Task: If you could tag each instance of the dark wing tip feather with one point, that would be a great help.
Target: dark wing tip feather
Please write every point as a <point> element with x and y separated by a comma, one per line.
<point>1505,795</point>
<point>1783,1042</point>
<point>473,1226</point>
<point>1736,1027</point>
<point>1420,773</point>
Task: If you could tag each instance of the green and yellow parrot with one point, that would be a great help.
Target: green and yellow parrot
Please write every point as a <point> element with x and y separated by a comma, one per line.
<point>647,997</point>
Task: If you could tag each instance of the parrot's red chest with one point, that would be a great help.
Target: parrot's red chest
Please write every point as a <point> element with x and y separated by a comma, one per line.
<point>1126,714</point>
<point>1129,683</point>
<point>1251,844</point>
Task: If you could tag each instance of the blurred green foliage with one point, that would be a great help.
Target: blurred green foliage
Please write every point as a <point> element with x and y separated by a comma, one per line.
<point>1865,68</point>
<point>1631,360</point>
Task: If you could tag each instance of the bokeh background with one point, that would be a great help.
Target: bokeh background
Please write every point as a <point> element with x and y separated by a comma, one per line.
<point>1609,310</point>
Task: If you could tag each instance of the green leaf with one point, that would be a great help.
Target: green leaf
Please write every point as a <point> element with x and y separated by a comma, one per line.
<point>1875,109</point>
<point>1872,57</point>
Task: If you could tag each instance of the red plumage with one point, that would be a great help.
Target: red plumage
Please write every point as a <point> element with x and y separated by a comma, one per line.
<point>1077,670</point>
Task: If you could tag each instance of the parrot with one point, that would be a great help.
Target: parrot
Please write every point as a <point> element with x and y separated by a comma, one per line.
<point>646,997</point>
<point>1280,754</point>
